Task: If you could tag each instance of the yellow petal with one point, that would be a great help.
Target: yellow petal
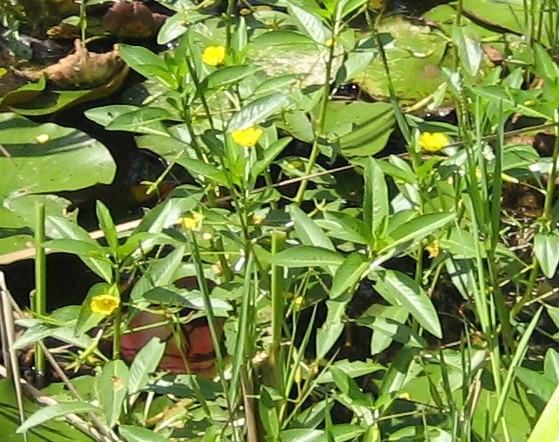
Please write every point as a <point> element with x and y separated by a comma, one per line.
<point>247,137</point>
<point>214,55</point>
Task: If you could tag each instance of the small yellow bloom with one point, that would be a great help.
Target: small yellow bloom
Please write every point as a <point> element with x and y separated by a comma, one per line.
<point>247,137</point>
<point>433,142</point>
<point>330,42</point>
<point>193,222</point>
<point>104,304</point>
<point>214,55</point>
<point>434,248</point>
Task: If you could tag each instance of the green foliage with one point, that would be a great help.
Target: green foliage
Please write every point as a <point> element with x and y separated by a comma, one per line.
<point>388,288</point>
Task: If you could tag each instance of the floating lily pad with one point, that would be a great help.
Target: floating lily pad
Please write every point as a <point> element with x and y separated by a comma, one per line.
<point>43,158</point>
<point>415,57</point>
<point>290,53</point>
<point>49,101</point>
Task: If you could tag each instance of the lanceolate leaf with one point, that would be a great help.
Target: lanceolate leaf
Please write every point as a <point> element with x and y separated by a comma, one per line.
<point>469,48</point>
<point>139,434</point>
<point>349,273</point>
<point>54,411</point>
<point>396,285</point>
<point>419,227</point>
<point>376,204</point>
<point>546,248</point>
<point>145,363</point>
<point>307,256</point>
<point>112,387</point>
<point>257,111</point>
<point>310,24</point>
<point>307,231</point>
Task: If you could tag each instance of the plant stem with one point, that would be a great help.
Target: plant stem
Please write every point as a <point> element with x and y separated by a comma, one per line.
<point>39,303</point>
<point>278,311</point>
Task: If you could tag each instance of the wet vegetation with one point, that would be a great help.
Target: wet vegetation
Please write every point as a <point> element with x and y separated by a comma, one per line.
<point>283,220</point>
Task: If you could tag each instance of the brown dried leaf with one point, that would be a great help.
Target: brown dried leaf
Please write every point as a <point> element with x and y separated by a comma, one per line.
<point>80,70</point>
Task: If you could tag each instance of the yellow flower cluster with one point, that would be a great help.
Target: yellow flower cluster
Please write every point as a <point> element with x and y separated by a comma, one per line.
<point>247,137</point>
<point>193,222</point>
<point>433,142</point>
<point>214,55</point>
<point>104,304</point>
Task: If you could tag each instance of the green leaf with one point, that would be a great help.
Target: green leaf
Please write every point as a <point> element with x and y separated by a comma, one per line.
<point>358,128</point>
<point>461,244</point>
<point>105,115</point>
<point>545,65</point>
<point>209,171</point>
<point>228,75</point>
<point>546,249</point>
<point>346,227</point>
<point>547,426</point>
<point>58,227</point>
<point>539,384</point>
<point>50,100</point>
<point>376,203</point>
<point>354,369</point>
<point>279,38</point>
<point>160,274</point>
<point>45,158</point>
<point>112,386</point>
<point>145,363</point>
<point>32,335</point>
<point>54,411</point>
<point>147,63</point>
<point>23,94</point>
<point>309,23</point>
<point>332,328</point>
<point>419,227</point>
<point>551,364</point>
<point>77,247</point>
<point>138,434</point>
<point>168,214</point>
<point>59,430</point>
<point>257,111</point>
<point>269,413</point>
<point>470,52</point>
<point>396,285</point>
<point>349,273</point>
<point>302,435</point>
<point>307,256</point>
<point>268,155</point>
<point>146,120</point>
<point>307,231</point>
<point>350,388</point>
<point>107,225</point>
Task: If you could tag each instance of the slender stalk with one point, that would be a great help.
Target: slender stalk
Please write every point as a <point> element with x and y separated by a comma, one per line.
<point>39,303</point>
<point>319,128</point>
<point>278,311</point>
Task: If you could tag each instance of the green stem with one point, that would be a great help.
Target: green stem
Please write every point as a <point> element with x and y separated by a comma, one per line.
<point>40,298</point>
<point>278,311</point>
<point>319,132</point>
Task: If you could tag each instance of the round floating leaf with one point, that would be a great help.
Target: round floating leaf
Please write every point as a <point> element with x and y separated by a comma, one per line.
<point>43,158</point>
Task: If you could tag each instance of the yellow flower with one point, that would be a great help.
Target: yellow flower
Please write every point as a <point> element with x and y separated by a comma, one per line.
<point>214,55</point>
<point>330,42</point>
<point>247,137</point>
<point>433,142</point>
<point>193,222</point>
<point>104,304</point>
